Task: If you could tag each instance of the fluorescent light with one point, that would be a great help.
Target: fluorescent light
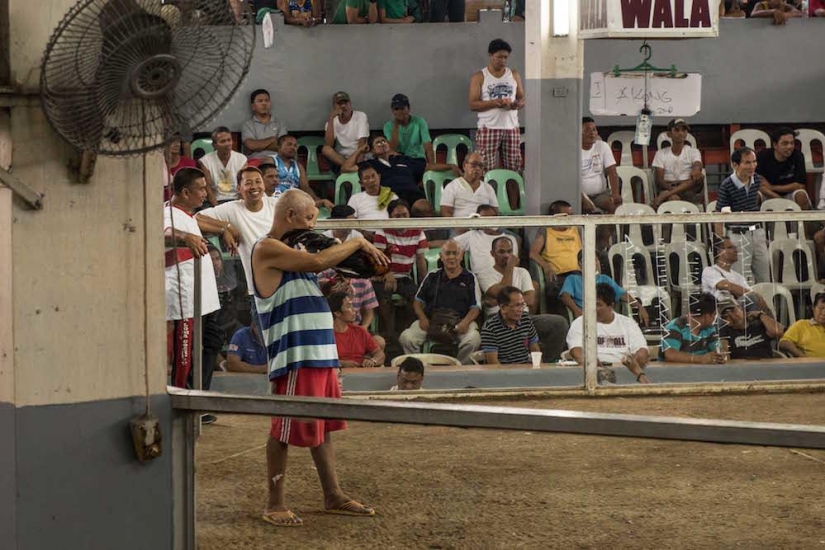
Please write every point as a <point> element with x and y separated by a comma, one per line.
<point>561,17</point>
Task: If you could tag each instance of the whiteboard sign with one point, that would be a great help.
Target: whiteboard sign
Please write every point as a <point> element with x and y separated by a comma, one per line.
<point>624,95</point>
<point>648,18</point>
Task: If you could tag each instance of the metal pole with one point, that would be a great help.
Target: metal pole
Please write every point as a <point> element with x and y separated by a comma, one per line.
<point>589,347</point>
<point>197,344</point>
<point>183,478</point>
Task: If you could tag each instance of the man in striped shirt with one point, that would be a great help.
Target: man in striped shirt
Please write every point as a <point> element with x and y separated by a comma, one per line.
<point>302,358</point>
<point>509,335</point>
<point>740,192</point>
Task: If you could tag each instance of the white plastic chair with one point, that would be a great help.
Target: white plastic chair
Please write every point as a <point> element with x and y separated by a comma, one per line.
<point>773,293</point>
<point>749,138</point>
<point>686,279</point>
<point>816,288</point>
<point>626,175</point>
<point>624,137</point>
<point>788,268</point>
<point>624,257</point>
<point>779,230</point>
<point>664,141</point>
<point>711,207</point>
<point>806,137</point>
<point>635,230</point>
<point>678,232</point>
<point>429,360</point>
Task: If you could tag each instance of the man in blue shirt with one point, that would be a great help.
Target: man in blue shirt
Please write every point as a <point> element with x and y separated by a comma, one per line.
<point>246,351</point>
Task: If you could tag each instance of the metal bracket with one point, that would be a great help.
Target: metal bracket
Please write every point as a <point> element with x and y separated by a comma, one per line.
<point>26,193</point>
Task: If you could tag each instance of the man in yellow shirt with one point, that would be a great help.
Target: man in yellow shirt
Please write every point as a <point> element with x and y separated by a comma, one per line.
<point>555,250</point>
<point>806,337</point>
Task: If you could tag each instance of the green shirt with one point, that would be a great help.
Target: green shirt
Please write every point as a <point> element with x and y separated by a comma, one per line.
<point>399,9</point>
<point>412,137</point>
<point>363,7</point>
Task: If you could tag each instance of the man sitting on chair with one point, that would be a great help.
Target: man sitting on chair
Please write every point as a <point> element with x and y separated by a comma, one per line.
<point>806,337</point>
<point>509,336</point>
<point>747,335</point>
<point>678,168</point>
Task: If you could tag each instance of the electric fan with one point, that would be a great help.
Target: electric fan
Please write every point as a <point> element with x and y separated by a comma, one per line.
<point>121,77</point>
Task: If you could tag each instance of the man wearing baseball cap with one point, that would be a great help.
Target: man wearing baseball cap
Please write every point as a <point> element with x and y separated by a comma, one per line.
<point>345,131</point>
<point>410,135</point>
<point>678,168</point>
<point>747,335</point>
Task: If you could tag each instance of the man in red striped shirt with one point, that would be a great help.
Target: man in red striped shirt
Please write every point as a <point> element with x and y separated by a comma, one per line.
<point>405,247</point>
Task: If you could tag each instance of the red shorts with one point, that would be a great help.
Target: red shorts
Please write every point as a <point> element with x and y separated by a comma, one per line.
<point>306,382</point>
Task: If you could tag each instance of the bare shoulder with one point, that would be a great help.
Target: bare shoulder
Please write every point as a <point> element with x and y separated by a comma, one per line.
<point>478,76</point>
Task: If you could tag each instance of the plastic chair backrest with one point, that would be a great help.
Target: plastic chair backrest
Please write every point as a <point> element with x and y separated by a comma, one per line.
<point>806,137</point>
<point>678,232</point>
<point>625,138</point>
<point>204,144</point>
<point>341,196</point>
<point>537,274</point>
<point>796,269</point>
<point>664,140</point>
<point>501,177</point>
<point>635,230</point>
<point>780,230</point>
<point>452,141</point>
<point>749,138</point>
<point>711,207</point>
<point>432,256</point>
<point>429,360</point>
<point>816,288</point>
<point>629,263</point>
<point>770,292</point>
<point>626,175</point>
<point>434,183</point>
<point>686,279</point>
<point>313,170</point>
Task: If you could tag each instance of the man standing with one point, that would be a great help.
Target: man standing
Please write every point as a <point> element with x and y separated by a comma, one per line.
<point>409,135</point>
<point>496,94</point>
<point>509,336</point>
<point>782,169</point>
<point>345,131</point>
<point>462,196</point>
<point>260,133</point>
<point>453,290</point>
<point>184,246</point>
<point>600,182</point>
<point>221,167</point>
<point>291,174</point>
<point>740,192</point>
<point>302,358</point>
<point>678,168</point>
<point>619,338</point>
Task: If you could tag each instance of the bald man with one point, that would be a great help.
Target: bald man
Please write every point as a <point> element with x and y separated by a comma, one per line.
<point>302,358</point>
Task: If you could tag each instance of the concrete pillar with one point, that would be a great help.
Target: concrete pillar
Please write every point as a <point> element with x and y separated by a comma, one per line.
<point>553,85</point>
<point>82,335</point>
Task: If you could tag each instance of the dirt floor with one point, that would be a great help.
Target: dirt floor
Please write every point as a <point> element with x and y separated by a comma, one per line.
<point>439,488</point>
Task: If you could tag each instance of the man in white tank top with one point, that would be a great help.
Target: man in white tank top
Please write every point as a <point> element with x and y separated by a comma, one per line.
<point>496,94</point>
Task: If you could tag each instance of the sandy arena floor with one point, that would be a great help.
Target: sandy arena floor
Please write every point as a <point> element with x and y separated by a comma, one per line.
<point>439,488</point>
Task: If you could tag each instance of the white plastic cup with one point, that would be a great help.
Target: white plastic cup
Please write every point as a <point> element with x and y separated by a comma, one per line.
<point>535,357</point>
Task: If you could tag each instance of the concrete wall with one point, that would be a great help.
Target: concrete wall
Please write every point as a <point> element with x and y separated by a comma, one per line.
<point>81,320</point>
<point>754,72</point>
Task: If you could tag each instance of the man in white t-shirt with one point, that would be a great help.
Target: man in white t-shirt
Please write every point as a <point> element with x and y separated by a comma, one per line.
<point>462,196</point>
<point>221,167</point>
<point>619,338</point>
<point>678,168</point>
<point>345,131</point>
<point>600,182</point>
<point>728,285</point>
<point>505,272</point>
<point>372,202</point>
<point>246,220</point>
<point>479,242</point>
<point>185,245</point>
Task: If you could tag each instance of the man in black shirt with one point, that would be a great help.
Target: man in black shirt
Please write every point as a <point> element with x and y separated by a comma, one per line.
<point>783,169</point>
<point>751,335</point>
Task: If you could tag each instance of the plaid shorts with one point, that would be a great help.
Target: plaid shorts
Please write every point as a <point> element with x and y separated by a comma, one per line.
<point>489,142</point>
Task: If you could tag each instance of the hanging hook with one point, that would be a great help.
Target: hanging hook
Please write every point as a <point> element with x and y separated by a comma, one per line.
<point>647,51</point>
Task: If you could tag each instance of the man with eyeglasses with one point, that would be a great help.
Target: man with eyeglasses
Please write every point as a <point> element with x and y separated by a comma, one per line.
<point>463,195</point>
<point>806,337</point>
<point>509,336</point>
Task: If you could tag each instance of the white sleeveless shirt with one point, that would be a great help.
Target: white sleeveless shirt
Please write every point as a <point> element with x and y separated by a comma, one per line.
<point>498,88</point>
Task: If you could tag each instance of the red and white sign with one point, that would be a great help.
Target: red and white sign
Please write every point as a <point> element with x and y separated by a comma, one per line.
<point>648,18</point>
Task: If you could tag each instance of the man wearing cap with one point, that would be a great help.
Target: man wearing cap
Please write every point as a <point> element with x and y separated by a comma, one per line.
<point>260,133</point>
<point>410,135</point>
<point>678,168</point>
<point>345,131</point>
<point>749,335</point>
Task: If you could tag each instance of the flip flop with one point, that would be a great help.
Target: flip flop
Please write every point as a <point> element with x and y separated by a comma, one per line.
<point>351,508</point>
<point>283,519</point>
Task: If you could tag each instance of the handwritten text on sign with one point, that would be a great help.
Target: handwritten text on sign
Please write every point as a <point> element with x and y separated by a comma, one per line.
<point>624,95</point>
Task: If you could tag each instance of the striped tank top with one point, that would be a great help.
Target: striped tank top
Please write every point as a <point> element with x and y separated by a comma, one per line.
<point>296,325</point>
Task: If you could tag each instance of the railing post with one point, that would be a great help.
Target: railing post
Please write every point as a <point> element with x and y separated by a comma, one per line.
<point>183,478</point>
<point>589,318</point>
